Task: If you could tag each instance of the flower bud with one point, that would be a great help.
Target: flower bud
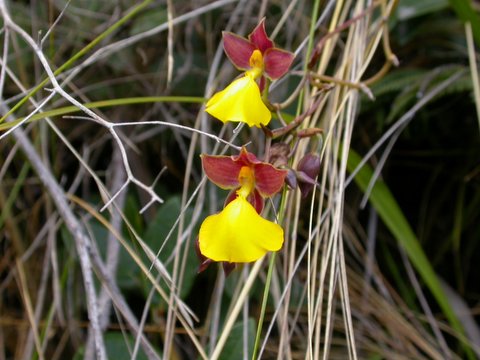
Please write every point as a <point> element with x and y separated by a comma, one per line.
<point>291,179</point>
<point>308,169</point>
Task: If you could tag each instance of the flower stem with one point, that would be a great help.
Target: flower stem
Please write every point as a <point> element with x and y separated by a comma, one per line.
<point>264,305</point>
<point>281,212</point>
<point>268,281</point>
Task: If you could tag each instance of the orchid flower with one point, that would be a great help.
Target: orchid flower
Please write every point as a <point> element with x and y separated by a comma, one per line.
<point>273,62</point>
<point>238,233</point>
<point>225,172</point>
<point>241,101</point>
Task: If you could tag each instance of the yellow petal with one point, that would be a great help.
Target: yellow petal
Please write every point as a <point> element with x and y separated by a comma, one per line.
<point>240,102</point>
<point>238,234</point>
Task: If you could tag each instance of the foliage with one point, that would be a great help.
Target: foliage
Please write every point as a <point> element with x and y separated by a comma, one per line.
<point>102,190</point>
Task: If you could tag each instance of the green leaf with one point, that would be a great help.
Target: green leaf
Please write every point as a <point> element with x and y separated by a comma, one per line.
<point>5,212</point>
<point>465,12</point>
<point>234,349</point>
<point>132,214</point>
<point>402,101</point>
<point>387,208</point>
<point>127,272</point>
<point>415,87</point>
<point>397,80</point>
<point>119,347</point>
<point>148,20</point>
<point>408,9</point>
<point>102,104</point>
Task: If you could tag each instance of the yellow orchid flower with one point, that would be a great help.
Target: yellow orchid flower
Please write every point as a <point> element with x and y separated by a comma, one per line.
<point>240,101</point>
<point>238,234</point>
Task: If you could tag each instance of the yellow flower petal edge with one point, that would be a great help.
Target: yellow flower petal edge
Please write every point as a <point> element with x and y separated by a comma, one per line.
<point>238,234</point>
<point>240,101</point>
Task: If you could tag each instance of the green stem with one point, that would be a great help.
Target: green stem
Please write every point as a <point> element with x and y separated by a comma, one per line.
<point>261,318</point>
<point>264,305</point>
<point>107,103</point>
<point>266,91</point>
<point>13,194</point>
<point>268,281</point>
<point>316,7</point>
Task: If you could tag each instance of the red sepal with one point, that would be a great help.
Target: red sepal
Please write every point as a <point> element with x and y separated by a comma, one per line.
<point>277,62</point>
<point>268,179</point>
<point>259,37</point>
<point>221,170</point>
<point>238,49</point>
<point>246,158</point>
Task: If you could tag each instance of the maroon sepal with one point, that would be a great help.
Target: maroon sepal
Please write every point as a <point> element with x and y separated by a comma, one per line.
<point>305,183</point>
<point>223,171</point>
<point>259,37</point>
<point>204,261</point>
<point>239,50</point>
<point>308,169</point>
<point>277,62</point>
<point>228,267</point>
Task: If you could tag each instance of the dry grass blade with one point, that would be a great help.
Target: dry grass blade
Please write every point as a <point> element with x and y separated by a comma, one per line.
<point>102,191</point>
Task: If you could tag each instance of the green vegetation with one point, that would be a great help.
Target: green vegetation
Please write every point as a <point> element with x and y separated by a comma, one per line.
<point>102,191</point>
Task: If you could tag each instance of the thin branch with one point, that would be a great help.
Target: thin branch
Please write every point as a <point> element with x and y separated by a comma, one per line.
<point>113,250</point>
